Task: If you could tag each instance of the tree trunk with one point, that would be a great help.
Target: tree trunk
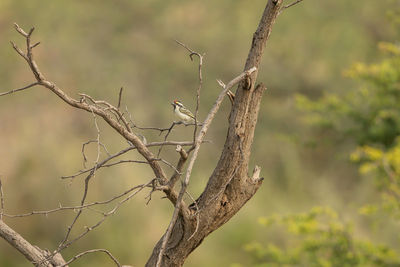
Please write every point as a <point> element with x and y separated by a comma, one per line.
<point>230,186</point>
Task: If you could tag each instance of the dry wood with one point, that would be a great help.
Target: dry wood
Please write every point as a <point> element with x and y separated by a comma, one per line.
<point>228,188</point>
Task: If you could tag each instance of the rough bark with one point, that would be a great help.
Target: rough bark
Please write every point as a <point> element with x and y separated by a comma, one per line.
<point>230,186</point>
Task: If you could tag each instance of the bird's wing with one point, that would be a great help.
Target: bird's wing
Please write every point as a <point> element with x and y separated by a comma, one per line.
<point>187,112</point>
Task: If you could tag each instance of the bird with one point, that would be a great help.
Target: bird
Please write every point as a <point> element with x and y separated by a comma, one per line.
<point>182,113</point>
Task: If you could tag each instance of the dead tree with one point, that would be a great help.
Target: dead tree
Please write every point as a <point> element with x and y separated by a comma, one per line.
<point>229,187</point>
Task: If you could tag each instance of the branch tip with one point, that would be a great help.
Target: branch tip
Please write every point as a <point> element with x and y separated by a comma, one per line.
<point>221,83</point>
<point>31,31</point>
<point>34,45</point>
<point>256,174</point>
<point>20,30</point>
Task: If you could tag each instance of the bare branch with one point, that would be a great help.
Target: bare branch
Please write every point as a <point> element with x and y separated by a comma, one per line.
<point>33,254</point>
<point>19,51</point>
<point>196,146</point>
<point>120,97</point>
<point>166,136</point>
<point>169,165</point>
<point>124,130</point>
<point>34,45</point>
<point>193,53</point>
<point>102,163</point>
<point>183,157</point>
<point>89,142</point>
<point>73,208</point>
<point>102,109</point>
<point>19,89</point>
<point>21,31</point>
<point>1,200</point>
<point>86,188</point>
<point>289,5</point>
<point>93,251</point>
<point>66,244</point>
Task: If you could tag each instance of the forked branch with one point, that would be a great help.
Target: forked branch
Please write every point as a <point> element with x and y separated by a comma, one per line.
<point>111,114</point>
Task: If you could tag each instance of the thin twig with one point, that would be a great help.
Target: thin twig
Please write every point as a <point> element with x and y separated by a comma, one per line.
<point>289,5</point>
<point>74,208</point>
<point>102,163</point>
<point>169,165</point>
<point>193,53</point>
<point>1,200</point>
<point>105,215</point>
<point>19,89</point>
<point>89,142</point>
<point>166,136</point>
<point>86,188</point>
<point>120,97</point>
<point>292,4</point>
<point>93,251</point>
<point>183,157</point>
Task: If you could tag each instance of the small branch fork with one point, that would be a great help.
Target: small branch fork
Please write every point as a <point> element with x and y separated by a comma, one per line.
<point>132,192</point>
<point>110,114</point>
<point>289,5</point>
<point>102,164</point>
<point>196,114</point>
<point>93,251</point>
<point>73,208</point>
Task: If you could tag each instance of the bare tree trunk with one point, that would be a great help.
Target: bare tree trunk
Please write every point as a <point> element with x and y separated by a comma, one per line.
<point>230,186</point>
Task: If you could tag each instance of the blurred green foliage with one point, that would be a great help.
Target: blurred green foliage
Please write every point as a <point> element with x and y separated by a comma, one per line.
<point>369,114</point>
<point>321,239</point>
<point>368,117</point>
<point>96,47</point>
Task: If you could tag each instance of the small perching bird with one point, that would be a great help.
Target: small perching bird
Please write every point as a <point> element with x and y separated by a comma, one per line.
<point>182,113</point>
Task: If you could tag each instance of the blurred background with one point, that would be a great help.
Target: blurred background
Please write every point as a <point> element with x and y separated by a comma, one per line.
<point>96,47</point>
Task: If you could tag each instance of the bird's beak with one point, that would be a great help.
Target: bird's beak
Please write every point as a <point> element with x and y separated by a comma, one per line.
<point>173,104</point>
